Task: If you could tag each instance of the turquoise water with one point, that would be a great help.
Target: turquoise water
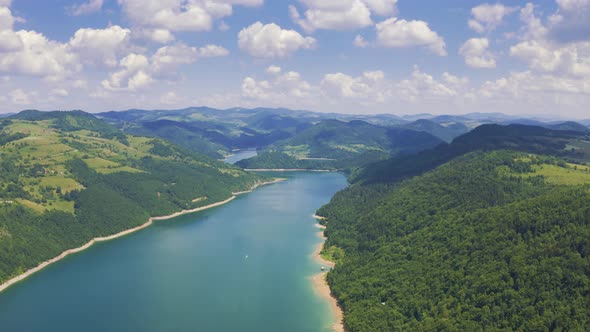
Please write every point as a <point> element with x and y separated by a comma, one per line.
<point>243,266</point>
<point>239,155</point>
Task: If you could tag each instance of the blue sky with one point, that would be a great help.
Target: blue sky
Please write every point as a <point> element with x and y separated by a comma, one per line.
<point>350,56</point>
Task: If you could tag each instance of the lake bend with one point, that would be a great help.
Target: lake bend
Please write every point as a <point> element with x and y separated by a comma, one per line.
<point>244,266</point>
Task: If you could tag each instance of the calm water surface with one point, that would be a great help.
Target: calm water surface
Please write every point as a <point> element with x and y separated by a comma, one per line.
<point>240,267</point>
<point>239,155</point>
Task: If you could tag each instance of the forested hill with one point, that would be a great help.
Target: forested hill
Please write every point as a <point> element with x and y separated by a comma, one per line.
<point>494,239</point>
<point>67,177</point>
<point>571,145</point>
<point>334,144</point>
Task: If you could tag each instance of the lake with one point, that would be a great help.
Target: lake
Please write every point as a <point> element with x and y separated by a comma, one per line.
<point>243,266</point>
<point>241,154</point>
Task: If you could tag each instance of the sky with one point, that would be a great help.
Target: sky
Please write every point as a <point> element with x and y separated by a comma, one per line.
<point>346,56</point>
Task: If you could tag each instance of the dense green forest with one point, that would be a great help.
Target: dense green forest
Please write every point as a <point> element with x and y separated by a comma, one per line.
<point>486,240</point>
<point>67,177</point>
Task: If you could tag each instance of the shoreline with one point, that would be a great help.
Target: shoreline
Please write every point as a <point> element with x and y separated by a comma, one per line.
<point>320,284</point>
<point>95,240</point>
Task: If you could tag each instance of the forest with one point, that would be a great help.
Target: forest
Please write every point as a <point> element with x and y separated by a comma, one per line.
<point>67,177</point>
<point>482,239</point>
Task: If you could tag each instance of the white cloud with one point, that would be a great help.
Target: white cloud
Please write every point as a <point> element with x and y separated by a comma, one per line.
<point>10,41</point>
<point>169,98</point>
<point>573,59</point>
<point>531,86</point>
<point>455,81</point>
<point>359,41</point>
<point>174,55</point>
<point>270,40</point>
<point>382,7</point>
<point>20,97</point>
<point>161,36</point>
<point>370,86</point>
<point>487,17</point>
<point>59,92</point>
<point>356,16</point>
<point>476,53</point>
<point>421,87</point>
<point>131,76</point>
<point>273,70</point>
<point>210,51</point>
<point>86,8</point>
<point>137,71</point>
<point>181,15</point>
<point>542,54</point>
<point>6,18</point>
<point>397,33</point>
<point>101,46</point>
<point>31,53</point>
<point>340,14</point>
<point>281,88</point>
<point>39,56</point>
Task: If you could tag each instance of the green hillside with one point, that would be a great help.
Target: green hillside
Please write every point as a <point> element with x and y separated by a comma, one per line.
<point>476,241</point>
<point>66,177</point>
<point>335,144</point>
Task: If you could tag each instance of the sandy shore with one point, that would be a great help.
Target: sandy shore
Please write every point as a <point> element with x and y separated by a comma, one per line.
<point>320,284</point>
<point>259,185</point>
<point>150,221</point>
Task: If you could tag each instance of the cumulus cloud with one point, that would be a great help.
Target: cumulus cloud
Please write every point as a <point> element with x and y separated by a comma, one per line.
<point>86,8</point>
<point>137,71</point>
<point>487,17</point>
<point>399,33</point>
<point>101,46</point>
<point>545,55</point>
<point>544,92</point>
<point>181,15</point>
<point>359,41</point>
<point>273,69</point>
<point>281,87</point>
<point>370,86</point>
<point>270,41</point>
<point>31,53</point>
<point>572,59</point>
<point>340,15</point>
<point>211,51</point>
<point>157,35</point>
<point>39,56</point>
<point>423,86</point>
<point>6,18</point>
<point>476,53</point>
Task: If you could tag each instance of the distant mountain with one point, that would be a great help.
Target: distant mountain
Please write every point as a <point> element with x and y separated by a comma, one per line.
<point>569,126</point>
<point>211,131</point>
<point>344,144</point>
<point>414,117</point>
<point>447,133</point>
